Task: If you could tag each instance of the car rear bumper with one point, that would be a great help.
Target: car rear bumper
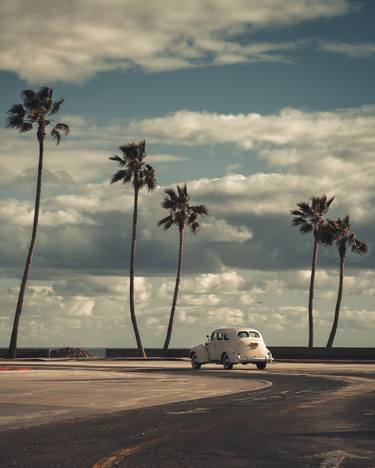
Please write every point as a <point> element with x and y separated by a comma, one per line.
<point>254,360</point>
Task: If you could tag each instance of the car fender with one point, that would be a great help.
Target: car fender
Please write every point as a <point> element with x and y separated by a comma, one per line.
<point>232,354</point>
<point>201,353</point>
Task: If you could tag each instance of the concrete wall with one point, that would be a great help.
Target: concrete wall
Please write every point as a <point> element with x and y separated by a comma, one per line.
<point>300,352</point>
<point>27,352</point>
<point>278,352</point>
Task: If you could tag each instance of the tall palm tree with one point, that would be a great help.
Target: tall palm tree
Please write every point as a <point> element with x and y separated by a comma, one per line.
<point>36,110</point>
<point>181,214</point>
<point>339,232</point>
<point>309,218</point>
<point>140,174</point>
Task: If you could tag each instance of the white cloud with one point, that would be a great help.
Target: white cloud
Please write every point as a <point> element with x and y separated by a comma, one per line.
<point>289,127</point>
<point>219,230</point>
<point>152,35</point>
<point>356,50</point>
<point>16,213</point>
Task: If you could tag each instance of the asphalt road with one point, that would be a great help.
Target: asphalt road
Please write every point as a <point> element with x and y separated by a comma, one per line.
<point>320,419</point>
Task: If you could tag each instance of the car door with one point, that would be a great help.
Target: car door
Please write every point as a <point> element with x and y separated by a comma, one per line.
<point>217,346</point>
<point>212,347</point>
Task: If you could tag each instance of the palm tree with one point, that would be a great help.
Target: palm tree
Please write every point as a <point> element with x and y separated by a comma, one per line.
<point>140,174</point>
<point>36,109</point>
<point>309,218</point>
<point>181,214</point>
<point>339,232</point>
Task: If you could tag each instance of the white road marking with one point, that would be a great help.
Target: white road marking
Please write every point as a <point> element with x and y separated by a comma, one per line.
<point>192,411</point>
<point>335,458</point>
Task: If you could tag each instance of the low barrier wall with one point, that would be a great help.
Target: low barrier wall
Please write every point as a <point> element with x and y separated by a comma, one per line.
<point>150,352</point>
<point>301,352</point>
<point>279,353</point>
<point>27,352</point>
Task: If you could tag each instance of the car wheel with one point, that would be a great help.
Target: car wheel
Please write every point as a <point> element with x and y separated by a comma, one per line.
<point>261,365</point>
<point>226,362</point>
<point>195,364</point>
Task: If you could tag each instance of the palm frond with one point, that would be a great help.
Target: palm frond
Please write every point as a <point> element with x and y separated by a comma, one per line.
<point>327,235</point>
<point>45,93</point>
<point>166,222</point>
<point>56,106</point>
<point>346,221</point>
<point>199,209</point>
<point>359,247</point>
<point>195,227</point>
<point>121,175</point>
<point>168,204</point>
<point>192,218</point>
<point>149,179</point>
<point>134,151</point>
<point>329,201</point>
<point>296,213</point>
<point>61,127</point>
<point>17,109</point>
<point>305,228</point>
<point>304,207</point>
<point>56,135</point>
<point>30,99</point>
<point>297,221</point>
<point>25,127</point>
<point>183,193</point>
<point>171,193</point>
<point>120,161</point>
<point>14,121</point>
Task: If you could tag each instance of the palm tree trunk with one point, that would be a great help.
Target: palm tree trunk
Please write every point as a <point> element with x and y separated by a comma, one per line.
<point>132,261</point>
<point>311,293</point>
<point>338,305</point>
<point>12,350</point>
<point>175,295</point>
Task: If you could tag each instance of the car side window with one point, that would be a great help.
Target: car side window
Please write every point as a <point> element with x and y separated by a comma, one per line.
<point>226,336</point>
<point>219,336</point>
<point>213,336</point>
<point>243,334</point>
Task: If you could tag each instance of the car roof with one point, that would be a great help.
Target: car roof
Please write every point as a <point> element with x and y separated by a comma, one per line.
<point>236,329</point>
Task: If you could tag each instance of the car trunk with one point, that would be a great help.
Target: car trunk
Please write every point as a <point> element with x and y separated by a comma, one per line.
<point>252,348</point>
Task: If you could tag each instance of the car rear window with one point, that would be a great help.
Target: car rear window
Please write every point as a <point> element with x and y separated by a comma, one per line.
<point>254,335</point>
<point>243,334</point>
<point>251,334</point>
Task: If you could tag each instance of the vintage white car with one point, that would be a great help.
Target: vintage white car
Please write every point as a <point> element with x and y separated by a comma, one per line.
<point>230,346</point>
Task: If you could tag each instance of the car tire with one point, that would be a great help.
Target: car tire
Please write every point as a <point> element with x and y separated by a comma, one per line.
<point>261,365</point>
<point>195,364</point>
<point>226,362</point>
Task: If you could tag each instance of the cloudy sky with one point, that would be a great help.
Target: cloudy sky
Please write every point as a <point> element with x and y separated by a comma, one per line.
<point>256,104</point>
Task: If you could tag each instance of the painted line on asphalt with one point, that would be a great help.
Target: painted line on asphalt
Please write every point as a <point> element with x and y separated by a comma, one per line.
<point>115,458</point>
